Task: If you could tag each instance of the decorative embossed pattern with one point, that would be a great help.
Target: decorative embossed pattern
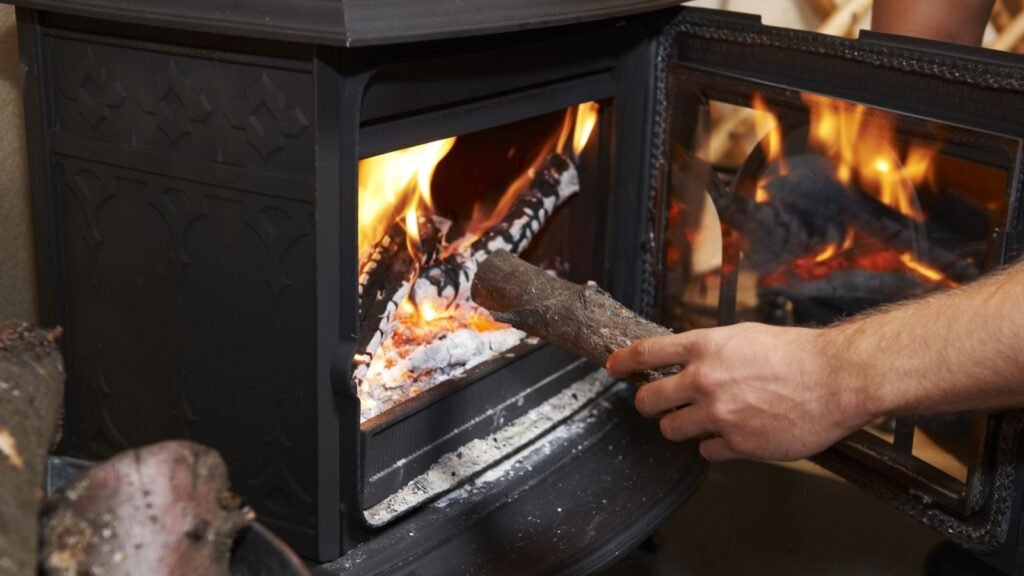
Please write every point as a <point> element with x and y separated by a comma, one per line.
<point>190,306</point>
<point>212,109</point>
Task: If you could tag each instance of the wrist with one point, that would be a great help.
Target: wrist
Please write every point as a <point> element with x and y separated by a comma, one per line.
<point>855,374</point>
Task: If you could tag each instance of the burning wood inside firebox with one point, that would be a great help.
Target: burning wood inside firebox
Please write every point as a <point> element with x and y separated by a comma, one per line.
<point>834,205</point>
<point>419,326</point>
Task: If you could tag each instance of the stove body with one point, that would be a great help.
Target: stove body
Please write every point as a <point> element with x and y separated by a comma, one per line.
<point>196,212</point>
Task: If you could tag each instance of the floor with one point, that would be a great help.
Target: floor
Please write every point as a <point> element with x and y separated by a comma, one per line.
<point>753,518</point>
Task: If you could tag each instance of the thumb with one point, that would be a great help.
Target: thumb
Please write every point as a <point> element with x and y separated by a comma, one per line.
<point>716,449</point>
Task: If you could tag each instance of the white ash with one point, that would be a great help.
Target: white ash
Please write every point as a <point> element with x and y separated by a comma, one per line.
<point>401,369</point>
<point>455,467</point>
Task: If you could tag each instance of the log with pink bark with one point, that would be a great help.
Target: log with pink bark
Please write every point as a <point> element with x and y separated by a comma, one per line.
<point>162,509</point>
<point>31,395</point>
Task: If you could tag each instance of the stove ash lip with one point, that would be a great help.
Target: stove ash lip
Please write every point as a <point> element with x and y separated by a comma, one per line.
<point>478,456</point>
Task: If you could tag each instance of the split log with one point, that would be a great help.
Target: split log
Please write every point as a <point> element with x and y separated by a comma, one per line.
<point>161,509</point>
<point>582,319</point>
<point>388,269</point>
<point>31,396</point>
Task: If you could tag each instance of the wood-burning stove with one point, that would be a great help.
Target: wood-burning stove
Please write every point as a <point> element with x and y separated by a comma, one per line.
<point>198,201</point>
<point>196,175</point>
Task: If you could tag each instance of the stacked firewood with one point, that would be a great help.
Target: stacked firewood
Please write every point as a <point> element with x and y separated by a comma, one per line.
<point>162,509</point>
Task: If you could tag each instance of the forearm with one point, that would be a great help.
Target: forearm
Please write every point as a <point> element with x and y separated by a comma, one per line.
<point>959,21</point>
<point>960,350</point>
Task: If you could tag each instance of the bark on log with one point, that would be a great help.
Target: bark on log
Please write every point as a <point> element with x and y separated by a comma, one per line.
<point>31,395</point>
<point>161,509</point>
<point>388,269</point>
<point>582,319</point>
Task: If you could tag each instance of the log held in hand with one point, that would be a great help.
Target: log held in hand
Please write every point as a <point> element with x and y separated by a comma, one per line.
<point>582,319</point>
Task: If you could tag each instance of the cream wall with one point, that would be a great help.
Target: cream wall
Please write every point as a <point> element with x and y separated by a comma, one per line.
<point>17,265</point>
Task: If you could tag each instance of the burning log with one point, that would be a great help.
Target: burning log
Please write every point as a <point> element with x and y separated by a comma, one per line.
<point>582,319</point>
<point>386,273</point>
<point>450,280</point>
<point>162,509</point>
<point>31,394</point>
<point>809,208</point>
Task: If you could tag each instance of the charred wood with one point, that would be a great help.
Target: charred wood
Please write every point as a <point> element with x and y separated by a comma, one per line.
<point>553,183</point>
<point>583,319</point>
<point>162,509</point>
<point>31,396</point>
<point>388,269</point>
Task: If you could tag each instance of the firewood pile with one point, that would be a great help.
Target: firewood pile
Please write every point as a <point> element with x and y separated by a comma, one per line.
<point>162,509</point>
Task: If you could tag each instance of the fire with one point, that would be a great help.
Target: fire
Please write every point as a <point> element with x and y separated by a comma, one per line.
<point>861,144</point>
<point>586,119</point>
<point>928,272</point>
<point>829,251</point>
<point>392,185</point>
<point>769,132</point>
<point>396,187</point>
<point>865,155</point>
<point>578,124</point>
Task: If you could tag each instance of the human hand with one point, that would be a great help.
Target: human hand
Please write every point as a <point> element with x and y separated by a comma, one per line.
<point>747,391</point>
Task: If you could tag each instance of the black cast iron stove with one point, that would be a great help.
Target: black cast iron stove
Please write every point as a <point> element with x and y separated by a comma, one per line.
<point>204,184</point>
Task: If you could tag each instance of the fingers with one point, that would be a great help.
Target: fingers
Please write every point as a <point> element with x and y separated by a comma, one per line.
<point>716,449</point>
<point>656,352</point>
<point>659,397</point>
<point>684,424</point>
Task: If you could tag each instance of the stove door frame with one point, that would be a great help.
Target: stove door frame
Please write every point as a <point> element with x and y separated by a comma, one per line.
<point>967,87</point>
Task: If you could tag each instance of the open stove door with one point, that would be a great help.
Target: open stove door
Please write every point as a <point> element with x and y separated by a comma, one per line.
<point>807,177</point>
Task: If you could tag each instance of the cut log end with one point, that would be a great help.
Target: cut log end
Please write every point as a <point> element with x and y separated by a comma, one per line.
<point>165,508</point>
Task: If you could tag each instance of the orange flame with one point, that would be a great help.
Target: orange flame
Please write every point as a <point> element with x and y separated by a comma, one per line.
<point>864,152</point>
<point>392,185</point>
<point>396,187</point>
<point>769,132</point>
<point>586,119</point>
<point>862,145</point>
<point>928,272</point>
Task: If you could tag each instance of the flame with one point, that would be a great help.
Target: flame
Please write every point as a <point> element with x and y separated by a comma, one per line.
<point>862,146</point>
<point>865,154</point>
<point>396,187</point>
<point>392,185</point>
<point>928,272</point>
<point>828,252</point>
<point>769,132</point>
<point>586,119</point>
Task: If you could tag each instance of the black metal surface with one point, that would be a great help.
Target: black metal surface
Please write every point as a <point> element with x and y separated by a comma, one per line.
<point>568,507</point>
<point>350,22</point>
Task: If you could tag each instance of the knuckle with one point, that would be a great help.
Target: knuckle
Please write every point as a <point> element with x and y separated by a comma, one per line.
<point>667,427</point>
<point>644,401</point>
<point>642,352</point>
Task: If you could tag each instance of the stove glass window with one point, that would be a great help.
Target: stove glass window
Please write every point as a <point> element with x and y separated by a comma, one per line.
<point>799,209</point>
